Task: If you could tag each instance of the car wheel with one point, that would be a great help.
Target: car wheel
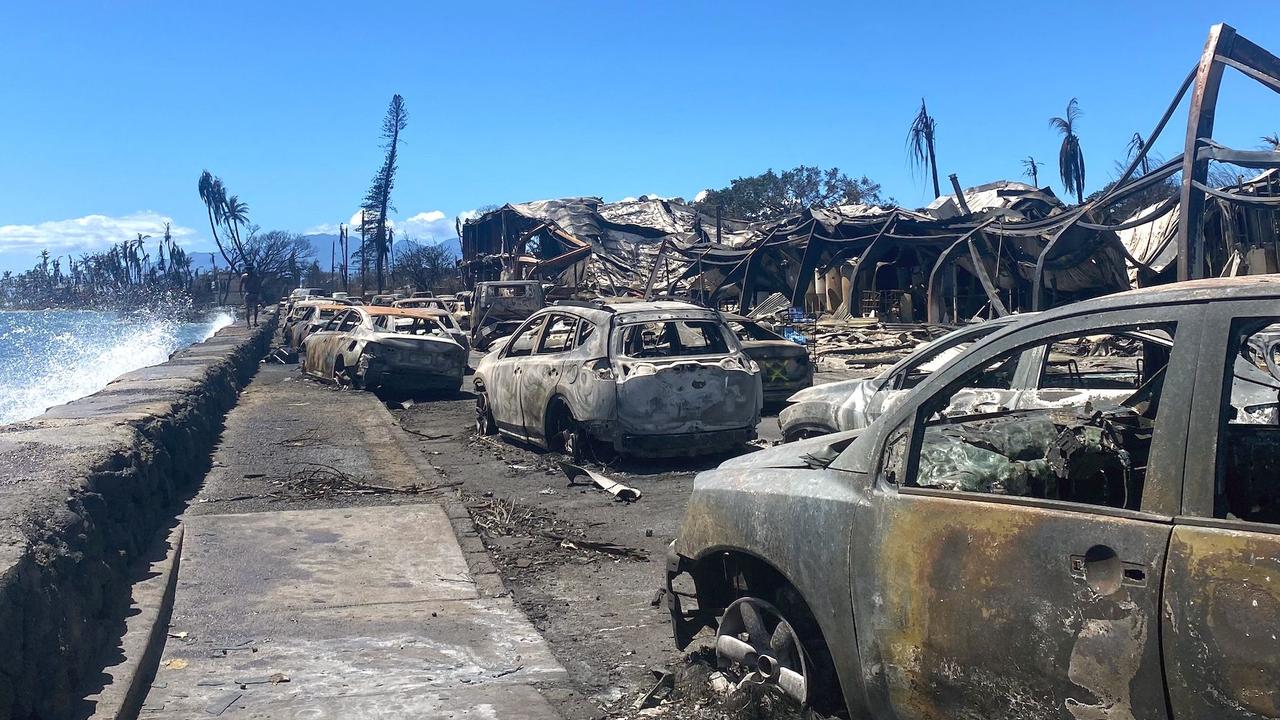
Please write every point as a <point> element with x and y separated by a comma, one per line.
<point>485,424</point>
<point>756,642</point>
<point>573,441</point>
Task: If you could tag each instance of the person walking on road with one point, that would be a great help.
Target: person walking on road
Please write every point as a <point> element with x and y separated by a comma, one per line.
<point>251,289</point>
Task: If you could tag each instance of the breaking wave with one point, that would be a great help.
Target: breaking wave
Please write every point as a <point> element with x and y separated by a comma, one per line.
<point>51,357</point>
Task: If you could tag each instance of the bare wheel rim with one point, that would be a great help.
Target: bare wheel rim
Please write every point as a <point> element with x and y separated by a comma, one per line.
<point>484,417</point>
<point>757,641</point>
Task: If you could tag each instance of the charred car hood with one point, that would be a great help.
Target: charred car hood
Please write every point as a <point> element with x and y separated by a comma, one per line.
<point>812,453</point>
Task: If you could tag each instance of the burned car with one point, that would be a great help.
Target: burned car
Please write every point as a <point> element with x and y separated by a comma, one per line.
<point>784,365</point>
<point>1101,369</point>
<point>402,349</point>
<point>1089,560</point>
<point>499,307</point>
<point>446,317</point>
<point>646,378</point>
<point>308,316</point>
<point>853,404</point>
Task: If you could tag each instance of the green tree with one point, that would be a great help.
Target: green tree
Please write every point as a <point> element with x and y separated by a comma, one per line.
<point>377,202</point>
<point>1070,156</point>
<point>921,153</point>
<point>771,195</point>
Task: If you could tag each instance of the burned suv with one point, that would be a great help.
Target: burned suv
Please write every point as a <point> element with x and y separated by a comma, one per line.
<point>647,378</point>
<point>1091,559</point>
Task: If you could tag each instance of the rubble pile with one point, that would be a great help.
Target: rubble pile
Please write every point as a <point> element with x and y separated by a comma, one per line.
<point>867,346</point>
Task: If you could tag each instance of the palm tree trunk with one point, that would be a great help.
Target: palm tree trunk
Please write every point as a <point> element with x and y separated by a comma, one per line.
<point>933,167</point>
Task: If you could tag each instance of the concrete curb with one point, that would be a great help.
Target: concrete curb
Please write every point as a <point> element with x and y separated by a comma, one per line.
<point>485,574</point>
<point>144,637</point>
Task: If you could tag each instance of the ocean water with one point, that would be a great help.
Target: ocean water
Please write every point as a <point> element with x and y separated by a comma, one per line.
<point>50,357</point>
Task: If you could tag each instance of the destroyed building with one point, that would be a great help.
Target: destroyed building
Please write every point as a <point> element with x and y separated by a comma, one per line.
<point>968,256</point>
<point>987,251</point>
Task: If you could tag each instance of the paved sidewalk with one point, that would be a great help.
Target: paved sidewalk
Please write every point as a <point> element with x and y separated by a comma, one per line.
<point>347,611</point>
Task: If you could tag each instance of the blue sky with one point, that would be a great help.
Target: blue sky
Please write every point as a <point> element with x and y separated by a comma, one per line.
<point>112,109</point>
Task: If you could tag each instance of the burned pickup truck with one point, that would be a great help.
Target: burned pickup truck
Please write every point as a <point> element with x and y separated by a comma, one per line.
<point>1088,560</point>
<point>646,378</point>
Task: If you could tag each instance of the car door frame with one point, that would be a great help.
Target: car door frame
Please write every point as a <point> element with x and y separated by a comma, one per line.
<point>504,376</point>
<point>315,357</point>
<point>331,339</point>
<point>1221,595</point>
<point>891,502</point>
<point>541,374</point>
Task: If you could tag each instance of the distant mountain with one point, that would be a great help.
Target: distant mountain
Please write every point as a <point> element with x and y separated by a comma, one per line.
<point>321,244</point>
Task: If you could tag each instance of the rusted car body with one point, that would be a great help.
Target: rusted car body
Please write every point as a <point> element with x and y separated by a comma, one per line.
<point>401,349</point>
<point>1095,561</point>
<point>499,307</point>
<point>647,378</point>
<point>784,365</point>
<point>446,317</point>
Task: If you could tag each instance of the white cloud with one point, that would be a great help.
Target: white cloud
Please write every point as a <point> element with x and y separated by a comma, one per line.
<point>321,229</point>
<point>427,226</point>
<point>92,233</point>
<point>702,195</point>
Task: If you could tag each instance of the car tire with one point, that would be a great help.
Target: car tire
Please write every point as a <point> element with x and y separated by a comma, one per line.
<point>485,424</point>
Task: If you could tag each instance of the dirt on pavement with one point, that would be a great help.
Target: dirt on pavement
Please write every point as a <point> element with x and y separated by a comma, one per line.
<point>585,567</point>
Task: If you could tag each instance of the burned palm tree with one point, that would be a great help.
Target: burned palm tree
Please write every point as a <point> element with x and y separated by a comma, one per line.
<point>1137,147</point>
<point>1272,140</point>
<point>1031,169</point>
<point>921,153</point>
<point>1070,156</point>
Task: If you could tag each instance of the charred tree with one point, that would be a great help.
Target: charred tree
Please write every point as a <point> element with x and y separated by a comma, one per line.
<point>377,202</point>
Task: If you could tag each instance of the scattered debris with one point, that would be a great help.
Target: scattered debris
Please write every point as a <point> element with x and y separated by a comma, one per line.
<point>499,519</point>
<point>660,691</point>
<point>176,664</point>
<point>613,487</point>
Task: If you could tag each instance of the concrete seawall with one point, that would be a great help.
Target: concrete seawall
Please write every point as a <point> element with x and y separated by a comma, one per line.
<point>84,489</point>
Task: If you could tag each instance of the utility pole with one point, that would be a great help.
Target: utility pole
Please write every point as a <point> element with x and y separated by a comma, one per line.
<point>364,260</point>
<point>391,256</point>
<point>346,255</point>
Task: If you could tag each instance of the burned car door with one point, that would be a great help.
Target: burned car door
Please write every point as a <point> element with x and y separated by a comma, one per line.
<point>543,370</point>
<point>342,327</point>
<point>503,383</point>
<point>319,356</point>
<point>1009,563</point>
<point>1221,628</point>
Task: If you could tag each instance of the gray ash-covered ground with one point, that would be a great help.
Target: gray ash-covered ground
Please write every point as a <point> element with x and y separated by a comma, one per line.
<point>586,568</point>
